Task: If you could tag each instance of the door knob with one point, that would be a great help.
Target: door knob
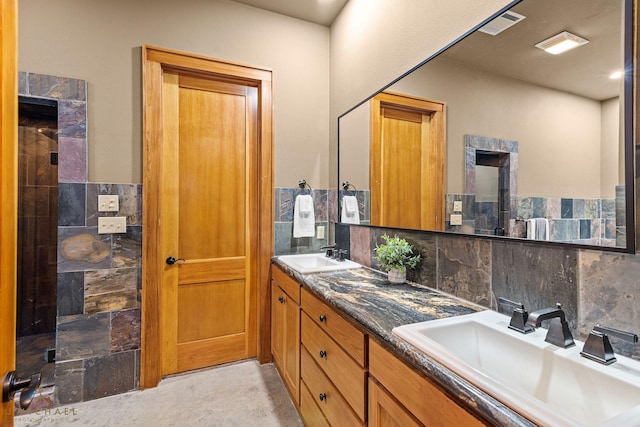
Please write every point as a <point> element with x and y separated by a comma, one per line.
<point>172,260</point>
<point>29,387</point>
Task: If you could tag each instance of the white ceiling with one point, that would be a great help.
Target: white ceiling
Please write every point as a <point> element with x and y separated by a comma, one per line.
<point>321,12</point>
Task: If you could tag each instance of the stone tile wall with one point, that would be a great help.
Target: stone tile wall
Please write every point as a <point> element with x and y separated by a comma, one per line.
<point>99,276</point>
<point>593,286</point>
<point>284,199</point>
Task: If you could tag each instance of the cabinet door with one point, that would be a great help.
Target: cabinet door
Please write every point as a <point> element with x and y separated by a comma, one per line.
<point>385,411</point>
<point>285,339</point>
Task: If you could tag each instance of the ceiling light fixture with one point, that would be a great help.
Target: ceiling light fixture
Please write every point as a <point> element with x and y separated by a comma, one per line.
<point>561,43</point>
<point>615,75</point>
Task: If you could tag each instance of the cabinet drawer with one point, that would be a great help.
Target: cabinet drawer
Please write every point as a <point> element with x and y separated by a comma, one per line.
<point>341,369</point>
<point>420,396</point>
<point>350,338</point>
<point>335,409</point>
<point>309,410</point>
<point>286,282</point>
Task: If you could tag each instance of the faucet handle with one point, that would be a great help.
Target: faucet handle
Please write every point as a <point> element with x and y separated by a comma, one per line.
<point>518,317</point>
<point>599,349</point>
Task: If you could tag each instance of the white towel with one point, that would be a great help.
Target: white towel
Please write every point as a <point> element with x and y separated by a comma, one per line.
<point>538,229</point>
<point>542,229</point>
<point>350,213</point>
<point>304,220</point>
<point>531,229</point>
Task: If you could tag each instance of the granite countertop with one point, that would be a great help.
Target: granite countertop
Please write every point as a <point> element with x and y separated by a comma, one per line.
<point>366,296</point>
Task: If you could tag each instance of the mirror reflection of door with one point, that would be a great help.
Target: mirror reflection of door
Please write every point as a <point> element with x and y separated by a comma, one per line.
<point>36,303</point>
<point>407,162</point>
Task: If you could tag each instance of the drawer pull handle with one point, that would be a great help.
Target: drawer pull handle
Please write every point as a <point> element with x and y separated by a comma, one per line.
<point>281,299</point>
<point>323,354</point>
<point>323,318</point>
<point>323,397</point>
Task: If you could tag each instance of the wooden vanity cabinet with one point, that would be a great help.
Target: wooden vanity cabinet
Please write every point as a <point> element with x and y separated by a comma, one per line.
<point>399,396</point>
<point>333,366</point>
<point>285,329</point>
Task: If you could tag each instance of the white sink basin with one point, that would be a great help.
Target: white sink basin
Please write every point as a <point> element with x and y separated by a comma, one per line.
<point>549,385</point>
<point>315,263</point>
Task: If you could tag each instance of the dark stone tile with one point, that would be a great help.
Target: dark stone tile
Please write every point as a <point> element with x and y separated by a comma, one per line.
<point>23,83</point>
<point>72,160</point>
<point>82,248</point>
<point>70,293</point>
<point>564,230</point>
<point>464,268</point>
<point>320,200</point>
<point>69,380</point>
<point>285,243</point>
<point>125,330</point>
<point>343,237</point>
<point>127,248</point>
<point>111,290</point>
<point>608,208</point>
<point>57,87</point>
<point>109,375</point>
<point>566,206</point>
<point>72,119</point>
<point>129,199</point>
<point>360,244</point>
<point>538,207</point>
<point>83,336</point>
<point>585,228</point>
<point>332,200</point>
<point>537,276</point>
<point>579,208</point>
<point>608,297</point>
<point>71,204</point>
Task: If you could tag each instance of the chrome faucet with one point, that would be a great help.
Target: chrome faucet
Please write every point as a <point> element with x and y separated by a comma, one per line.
<point>559,333</point>
<point>598,348</point>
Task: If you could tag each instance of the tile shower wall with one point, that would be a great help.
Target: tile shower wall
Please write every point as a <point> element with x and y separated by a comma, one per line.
<point>99,276</point>
<point>593,286</point>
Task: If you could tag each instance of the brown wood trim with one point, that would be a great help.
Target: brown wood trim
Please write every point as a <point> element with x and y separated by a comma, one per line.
<point>9,192</point>
<point>155,61</point>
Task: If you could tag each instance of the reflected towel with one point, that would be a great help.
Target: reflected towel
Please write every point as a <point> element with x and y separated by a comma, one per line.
<point>531,228</point>
<point>303,217</point>
<point>350,213</point>
<point>542,229</point>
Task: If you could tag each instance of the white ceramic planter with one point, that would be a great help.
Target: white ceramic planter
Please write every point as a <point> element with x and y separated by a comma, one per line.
<point>397,276</point>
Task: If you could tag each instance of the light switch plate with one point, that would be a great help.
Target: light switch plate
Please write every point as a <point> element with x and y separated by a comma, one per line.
<point>112,224</point>
<point>456,219</point>
<point>457,205</point>
<point>320,232</point>
<point>108,203</point>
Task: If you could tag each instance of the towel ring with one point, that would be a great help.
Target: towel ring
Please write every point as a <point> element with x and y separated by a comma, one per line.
<point>347,184</point>
<point>303,184</point>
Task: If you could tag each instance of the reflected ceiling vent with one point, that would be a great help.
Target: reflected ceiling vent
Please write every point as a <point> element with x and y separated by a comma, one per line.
<point>501,23</point>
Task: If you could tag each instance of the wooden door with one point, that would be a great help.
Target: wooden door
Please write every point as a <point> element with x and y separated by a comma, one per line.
<point>208,300</point>
<point>8,193</point>
<point>208,199</point>
<point>407,162</point>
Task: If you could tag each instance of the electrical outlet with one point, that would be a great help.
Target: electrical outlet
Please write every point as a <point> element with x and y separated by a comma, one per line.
<point>108,203</point>
<point>320,232</point>
<point>456,219</point>
<point>457,205</point>
<point>112,224</point>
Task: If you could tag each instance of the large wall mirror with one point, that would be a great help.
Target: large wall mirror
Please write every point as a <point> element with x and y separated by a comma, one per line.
<point>496,136</point>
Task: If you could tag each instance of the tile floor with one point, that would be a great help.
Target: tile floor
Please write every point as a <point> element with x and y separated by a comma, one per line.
<point>239,394</point>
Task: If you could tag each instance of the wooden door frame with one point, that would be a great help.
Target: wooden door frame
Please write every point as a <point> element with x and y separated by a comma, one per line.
<point>155,61</point>
<point>8,192</point>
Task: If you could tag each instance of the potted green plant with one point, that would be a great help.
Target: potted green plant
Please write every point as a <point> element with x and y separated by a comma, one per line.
<point>395,256</point>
